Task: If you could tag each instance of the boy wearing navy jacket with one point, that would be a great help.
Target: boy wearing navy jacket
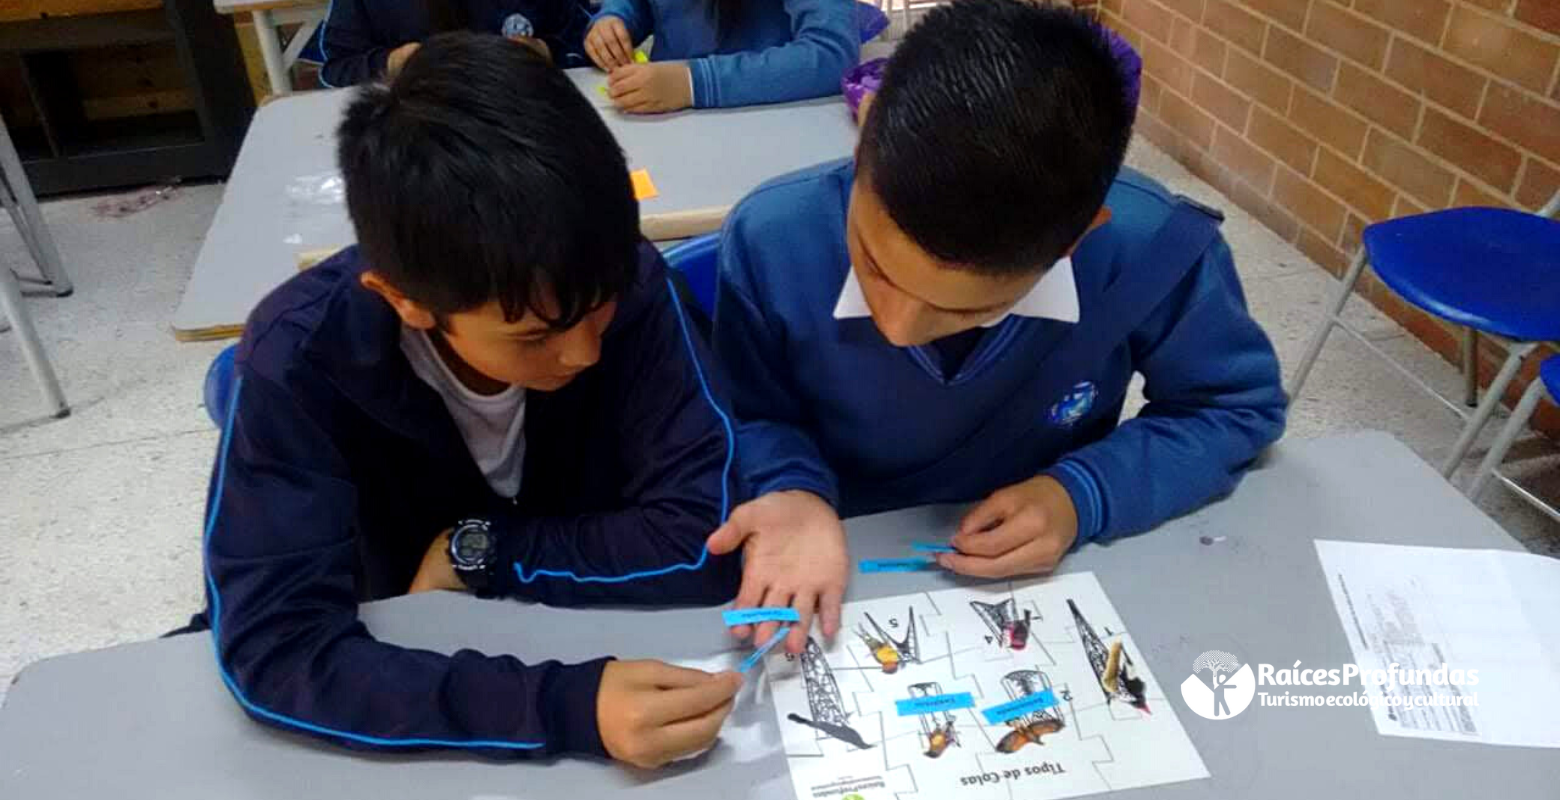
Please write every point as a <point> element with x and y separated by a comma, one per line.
<point>955,316</point>
<point>496,390</point>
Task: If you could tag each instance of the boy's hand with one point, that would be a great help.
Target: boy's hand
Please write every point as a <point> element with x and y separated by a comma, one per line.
<point>1023,529</point>
<point>650,713</point>
<point>608,44</point>
<point>794,554</point>
<point>655,88</point>
<point>437,572</point>
<point>397,58</point>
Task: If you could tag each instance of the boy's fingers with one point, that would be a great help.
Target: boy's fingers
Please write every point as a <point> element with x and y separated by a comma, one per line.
<point>1013,533</point>
<point>829,611</point>
<point>749,596</point>
<point>728,537</point>
<point>688,736</point>
<point>990,512</point>
<point>1023,560</point>
<point>772,599</point>
<point>805,603</point>
<point>625,47</point>
<point>692,701</point>
<point>662,675</point>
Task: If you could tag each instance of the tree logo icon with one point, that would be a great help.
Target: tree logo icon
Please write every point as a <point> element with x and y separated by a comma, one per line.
<point>1219,687</point>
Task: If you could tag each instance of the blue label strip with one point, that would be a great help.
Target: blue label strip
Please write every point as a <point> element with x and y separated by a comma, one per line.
<point>934,703</point>
<point>932,547</point>
<point>753,616</point>
<point>758,655</point>
<point>1039,701</point>
<point>897,565</point>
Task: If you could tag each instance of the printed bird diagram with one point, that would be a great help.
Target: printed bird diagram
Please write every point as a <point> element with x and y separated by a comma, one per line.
<point>1022,691</point>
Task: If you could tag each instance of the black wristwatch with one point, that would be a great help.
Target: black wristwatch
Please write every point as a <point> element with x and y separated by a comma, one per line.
<point>474,553</point>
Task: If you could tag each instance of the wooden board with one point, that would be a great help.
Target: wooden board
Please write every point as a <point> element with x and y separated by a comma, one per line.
<point>18,10</point>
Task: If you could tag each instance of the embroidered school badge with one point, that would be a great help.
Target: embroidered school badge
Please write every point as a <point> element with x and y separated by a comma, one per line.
<point>1074,405</point>
<point>518,25</point>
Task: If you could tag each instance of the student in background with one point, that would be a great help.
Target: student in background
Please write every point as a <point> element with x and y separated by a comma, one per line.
<point>722,53</point>
<point>366,40</point>
<point>956,315</point>
<point>494,391</point>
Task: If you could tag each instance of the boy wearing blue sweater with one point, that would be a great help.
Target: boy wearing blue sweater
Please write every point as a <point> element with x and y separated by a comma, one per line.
<point>955,316</point>
<point>723,53</point>
<point>494,391</point>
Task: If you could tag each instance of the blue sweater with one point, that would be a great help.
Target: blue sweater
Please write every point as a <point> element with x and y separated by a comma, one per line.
<point>358,35</point>
<point>339,466</point>
<point>829,406</point>
<point>783,49</point>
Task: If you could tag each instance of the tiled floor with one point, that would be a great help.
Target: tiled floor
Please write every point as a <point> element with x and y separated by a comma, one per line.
<point>100,514</point>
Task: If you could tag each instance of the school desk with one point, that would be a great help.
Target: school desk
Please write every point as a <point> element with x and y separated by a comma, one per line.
<point>268,16</point>
<point>151,721</point>
<point>284,198</point>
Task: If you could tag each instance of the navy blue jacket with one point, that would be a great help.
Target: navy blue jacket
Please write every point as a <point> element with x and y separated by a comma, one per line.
<point>358,35</point>
<point>339,466</point>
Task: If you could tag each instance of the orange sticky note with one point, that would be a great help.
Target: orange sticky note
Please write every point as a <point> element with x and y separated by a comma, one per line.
<point>644,188</point>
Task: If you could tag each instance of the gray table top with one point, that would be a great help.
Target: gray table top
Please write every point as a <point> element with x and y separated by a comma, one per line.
<point>279,201</point>
<point>152,720</point>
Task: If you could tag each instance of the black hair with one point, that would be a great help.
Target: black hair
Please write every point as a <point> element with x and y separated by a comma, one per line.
<point>999,129</point>
<point>481,173</point>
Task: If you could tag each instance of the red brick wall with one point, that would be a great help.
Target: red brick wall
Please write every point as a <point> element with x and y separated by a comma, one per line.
<point>1322,116</point>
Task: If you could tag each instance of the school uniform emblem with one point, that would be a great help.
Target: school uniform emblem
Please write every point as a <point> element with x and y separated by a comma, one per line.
<point>1074,405</point>
<point>518,25</point>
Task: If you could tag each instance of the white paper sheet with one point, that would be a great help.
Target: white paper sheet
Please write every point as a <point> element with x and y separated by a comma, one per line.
<point>844,735</point>
<point>1492,611</point>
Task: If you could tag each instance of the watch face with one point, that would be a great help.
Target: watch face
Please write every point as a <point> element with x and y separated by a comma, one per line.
<point>472,547</point>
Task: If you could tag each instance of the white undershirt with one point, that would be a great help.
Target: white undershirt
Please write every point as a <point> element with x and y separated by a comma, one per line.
<point>493,426</point>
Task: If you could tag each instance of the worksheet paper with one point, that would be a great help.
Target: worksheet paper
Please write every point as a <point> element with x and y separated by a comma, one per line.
<point>1493,611</point>
<point>1021,691</point>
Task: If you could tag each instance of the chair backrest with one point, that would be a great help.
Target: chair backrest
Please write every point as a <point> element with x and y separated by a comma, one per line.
<point>696,259</point>
<point>1552,208</point>
<point>219,385</point>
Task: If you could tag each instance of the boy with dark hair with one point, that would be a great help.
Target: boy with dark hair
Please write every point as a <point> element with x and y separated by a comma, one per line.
<point>496,390</point>
<point>956,314</point>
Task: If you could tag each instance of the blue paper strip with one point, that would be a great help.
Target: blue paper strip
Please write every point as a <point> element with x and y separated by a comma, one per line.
<point>932,547</point>
<point>758,655</point>
<point>897,564</point>
<point>1039,701</point>
<point>934,703</point>
<point>753,616</point>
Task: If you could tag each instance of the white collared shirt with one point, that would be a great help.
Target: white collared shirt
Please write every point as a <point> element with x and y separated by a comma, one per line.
<point>1055,296</point>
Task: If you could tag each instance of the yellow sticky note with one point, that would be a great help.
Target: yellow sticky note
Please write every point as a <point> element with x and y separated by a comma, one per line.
<point>602,87</point>
<point>644,188</point>
<point>640,57</point>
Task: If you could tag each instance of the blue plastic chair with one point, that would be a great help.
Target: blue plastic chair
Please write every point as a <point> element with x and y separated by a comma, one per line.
<point>696,259</point>
<point>218,390</point>
<point>1548,382</point>
<point>1493,271</point>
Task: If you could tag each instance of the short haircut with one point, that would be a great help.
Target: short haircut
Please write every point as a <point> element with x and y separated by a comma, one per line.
<point>998,131</point>
<point>481,173</point>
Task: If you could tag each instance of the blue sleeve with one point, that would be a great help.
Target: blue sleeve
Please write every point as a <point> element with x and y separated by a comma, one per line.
<point>280,554</point>
<point>825,42</point>
<point>636,15</point>
<point>777,453</point>
<point>680,450</point>
<point>352,53</point>
<point>1215,401</point>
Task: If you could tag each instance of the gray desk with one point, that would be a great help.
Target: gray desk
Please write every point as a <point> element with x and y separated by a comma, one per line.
<point>702,163</point>
<point>151,720</point>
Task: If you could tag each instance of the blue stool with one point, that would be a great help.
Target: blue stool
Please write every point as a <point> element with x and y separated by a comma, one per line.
<point>218,390</point>
<point>1493,271</point>
<point>696,259</point>
<point>1548,380</point>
